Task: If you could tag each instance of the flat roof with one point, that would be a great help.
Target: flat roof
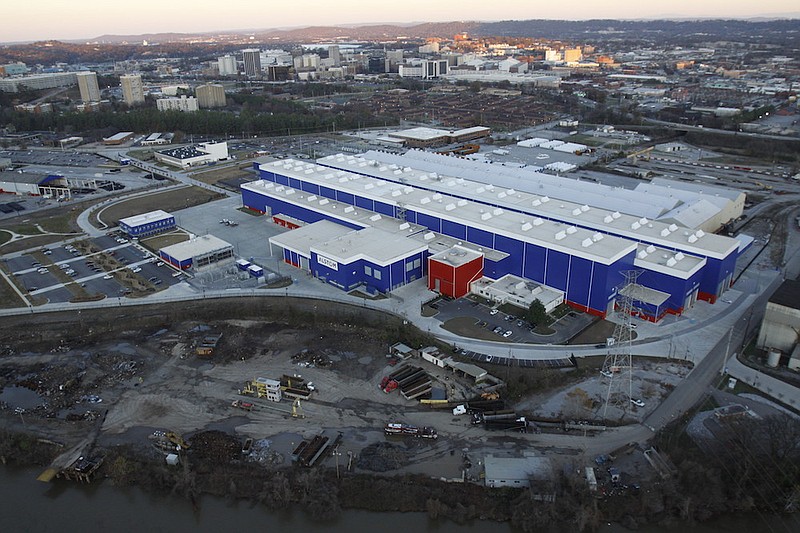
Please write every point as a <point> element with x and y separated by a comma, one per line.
<point>372,244</point>
<point>420,134</point>
<point>145,218</point>
<point>558,236</point>
<point>582,215</point>
<point>456,256</point>
<point>22,177</point>
<point>645,294</point>
<point>121,136</point>
<point>668,262</point>
<point>201,245</point>
<point>183,152</point>
<point>301,240</point>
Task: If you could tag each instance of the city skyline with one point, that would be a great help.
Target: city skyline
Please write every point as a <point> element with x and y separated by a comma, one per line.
<point>51,19</point>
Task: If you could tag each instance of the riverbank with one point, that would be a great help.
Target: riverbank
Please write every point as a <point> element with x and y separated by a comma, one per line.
<point>141,372</point>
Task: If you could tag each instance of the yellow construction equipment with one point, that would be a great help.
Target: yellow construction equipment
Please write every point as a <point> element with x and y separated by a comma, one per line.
<point>640,154</point>
<point>297,409</point>
<point>177,440</point>
<point>490,396</point>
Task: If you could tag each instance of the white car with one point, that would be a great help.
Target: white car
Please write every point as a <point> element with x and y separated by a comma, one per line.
<point>108,276</point>
<point>493,312</point>
<point>508,333</point>
<point>137,269</point>
<point>606,373</point>
<point>637,402</point>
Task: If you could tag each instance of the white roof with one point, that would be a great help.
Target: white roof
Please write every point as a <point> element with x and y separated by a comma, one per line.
<point>302,239</point>
<point>692,215</point>
<point>420,134</point>
<point>529,179</point>
<point>145,218</point>
<point>526,227</point>
<point>705,189</point>
<point>195,247</point>
<point>606,221</point>
<point>532,143</point>
<point>119,136</point>
<point>668,262</point>
<point>371,244</point>
<point>570,147</point>
<point>456,256</point>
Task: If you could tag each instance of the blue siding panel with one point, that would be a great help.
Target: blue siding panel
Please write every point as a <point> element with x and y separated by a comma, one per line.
<point>364,203</point>
<point>515,248</point>
<point>346,198</point>
<point>480,237</point>
<point>534,262</point>
<point>384,209</point>
<point>430,222</point>
<point>327,192</point>
<point>557,268</point>
<point>310,187</point>
<point>454,229</point>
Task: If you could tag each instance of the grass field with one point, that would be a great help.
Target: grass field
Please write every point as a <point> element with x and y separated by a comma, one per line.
<point>212,177</point>
<point>160,241</point>
<point>8,296</point>
<point>169,201</point>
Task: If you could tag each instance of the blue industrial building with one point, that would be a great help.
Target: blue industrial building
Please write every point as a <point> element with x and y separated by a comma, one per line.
<point>147,224</point>
<point>576,249</point>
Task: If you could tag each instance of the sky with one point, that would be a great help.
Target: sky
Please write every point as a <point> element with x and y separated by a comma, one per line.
<point>85,19</point>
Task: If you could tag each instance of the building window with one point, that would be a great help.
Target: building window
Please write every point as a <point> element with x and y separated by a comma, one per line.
<point>376,273</point>
<point>367,270</point>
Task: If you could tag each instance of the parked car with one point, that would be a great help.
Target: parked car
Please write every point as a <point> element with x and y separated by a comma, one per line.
<point>637,402</point>
<point>508,333</point>
<point>493,312</point>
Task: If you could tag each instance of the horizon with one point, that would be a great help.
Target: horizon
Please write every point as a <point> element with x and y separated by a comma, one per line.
<point>54,20</point>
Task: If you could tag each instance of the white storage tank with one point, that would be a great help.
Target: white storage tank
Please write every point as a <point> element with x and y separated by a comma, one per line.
<point>773,358</point>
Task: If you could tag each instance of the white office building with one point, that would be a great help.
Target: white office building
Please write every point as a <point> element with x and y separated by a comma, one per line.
<point>87,83</point>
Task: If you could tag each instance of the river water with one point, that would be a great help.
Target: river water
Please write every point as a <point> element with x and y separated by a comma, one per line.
<point>62,506</point>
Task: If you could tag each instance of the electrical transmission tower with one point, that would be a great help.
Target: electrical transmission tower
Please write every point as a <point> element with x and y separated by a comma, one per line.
<point>618,368</point>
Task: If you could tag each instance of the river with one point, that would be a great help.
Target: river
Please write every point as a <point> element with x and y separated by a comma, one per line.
<point>62,506</point>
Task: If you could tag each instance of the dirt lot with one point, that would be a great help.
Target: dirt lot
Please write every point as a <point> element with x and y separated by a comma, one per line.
<point>164,240</point>
<point>172,200</point>
<point>142,369</point>
<point>235,172</point>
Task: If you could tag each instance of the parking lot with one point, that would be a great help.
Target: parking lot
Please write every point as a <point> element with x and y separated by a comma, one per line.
<point>492,324</point>
<point>58,274</point>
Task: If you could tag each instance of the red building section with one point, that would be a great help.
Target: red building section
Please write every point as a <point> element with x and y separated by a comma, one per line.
<point>450,273</point>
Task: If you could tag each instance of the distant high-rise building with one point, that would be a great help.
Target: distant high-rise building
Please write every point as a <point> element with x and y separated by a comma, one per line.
<point>278,72</point>
<point>252,62</point>
<point>572,55</point>
<point>333,53</point>
<point>211,95</point>
<point>87,83</point>
<point>227,65</point>
<point>184,104</point>
<point>310,60</point>
<point>132,88</point>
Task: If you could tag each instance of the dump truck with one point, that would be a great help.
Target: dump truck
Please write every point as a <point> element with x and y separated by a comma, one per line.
<point>396,428</point>
<point>247,406</point>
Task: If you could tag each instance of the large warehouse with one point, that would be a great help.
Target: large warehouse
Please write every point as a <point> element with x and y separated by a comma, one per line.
<point>579,250</point>
<point>32,184</point>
